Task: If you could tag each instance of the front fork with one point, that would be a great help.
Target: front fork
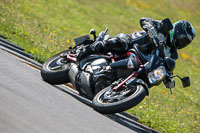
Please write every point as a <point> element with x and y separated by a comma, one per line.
<point>126,81</point>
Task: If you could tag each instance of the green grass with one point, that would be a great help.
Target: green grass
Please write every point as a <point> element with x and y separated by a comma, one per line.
<point>45,27</point>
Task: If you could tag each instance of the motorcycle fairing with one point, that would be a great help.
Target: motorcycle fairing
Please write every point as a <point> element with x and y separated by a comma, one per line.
<point>81,40</point>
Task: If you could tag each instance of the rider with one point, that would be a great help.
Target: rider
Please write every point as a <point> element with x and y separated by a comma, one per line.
<point>179,37</point>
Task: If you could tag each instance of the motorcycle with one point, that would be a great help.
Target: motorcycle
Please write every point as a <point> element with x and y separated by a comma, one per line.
<point>103,77</point>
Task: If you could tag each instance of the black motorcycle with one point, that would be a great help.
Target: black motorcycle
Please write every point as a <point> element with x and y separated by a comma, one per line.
<point>106,79</point>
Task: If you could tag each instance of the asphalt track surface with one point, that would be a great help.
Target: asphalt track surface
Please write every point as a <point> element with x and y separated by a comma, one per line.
<point>29,105</point>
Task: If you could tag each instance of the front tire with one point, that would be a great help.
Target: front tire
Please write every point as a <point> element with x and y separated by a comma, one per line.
<point>54,75</point>
<point>115,106</point>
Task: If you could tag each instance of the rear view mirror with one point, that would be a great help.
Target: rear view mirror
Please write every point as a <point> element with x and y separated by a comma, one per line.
<point>92,31</point>
<point>185,81</point>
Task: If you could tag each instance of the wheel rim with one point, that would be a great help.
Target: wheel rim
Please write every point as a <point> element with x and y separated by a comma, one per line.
<point>56,64</point>
<point>110,96</point>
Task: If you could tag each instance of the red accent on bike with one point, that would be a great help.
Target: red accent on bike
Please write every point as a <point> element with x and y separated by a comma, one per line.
<point>123,56</point>
<point>112,60</point>
<point>134,74</point>
<point>73,55</point>
<point>71,58</point>
<point>139,60</point>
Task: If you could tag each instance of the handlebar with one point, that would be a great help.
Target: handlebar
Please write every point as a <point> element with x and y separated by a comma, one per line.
<point>101,35</point>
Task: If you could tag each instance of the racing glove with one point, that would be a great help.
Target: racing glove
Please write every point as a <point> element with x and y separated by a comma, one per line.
<point>84,51</point>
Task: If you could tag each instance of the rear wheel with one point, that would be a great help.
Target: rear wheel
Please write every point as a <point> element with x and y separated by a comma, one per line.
<point>55,69</point>
<point>108,101</point>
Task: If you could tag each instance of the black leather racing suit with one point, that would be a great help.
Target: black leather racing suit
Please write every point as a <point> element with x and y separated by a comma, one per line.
<point>121,43</point>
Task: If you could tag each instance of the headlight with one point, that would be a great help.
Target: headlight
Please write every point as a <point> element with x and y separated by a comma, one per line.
<point>157,75</point>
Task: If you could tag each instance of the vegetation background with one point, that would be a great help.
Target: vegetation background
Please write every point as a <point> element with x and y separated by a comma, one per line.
<point>45,27</point>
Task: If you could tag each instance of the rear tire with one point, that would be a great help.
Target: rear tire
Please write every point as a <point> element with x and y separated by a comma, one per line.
<point>118,106</point>
<point>55,76</point>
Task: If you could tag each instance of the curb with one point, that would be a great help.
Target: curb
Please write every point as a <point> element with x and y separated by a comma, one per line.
<point>10,44</point>
<point>123,118</point>
<point>14,48</point>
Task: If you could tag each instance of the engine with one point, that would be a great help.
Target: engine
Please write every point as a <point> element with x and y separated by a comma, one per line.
<point>102,75</point>
<point>91,76</point>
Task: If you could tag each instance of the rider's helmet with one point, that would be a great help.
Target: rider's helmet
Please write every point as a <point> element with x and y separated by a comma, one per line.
<point>182,34</point>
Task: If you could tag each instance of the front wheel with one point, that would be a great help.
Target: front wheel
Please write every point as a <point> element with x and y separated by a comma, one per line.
<point>108,101</point>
